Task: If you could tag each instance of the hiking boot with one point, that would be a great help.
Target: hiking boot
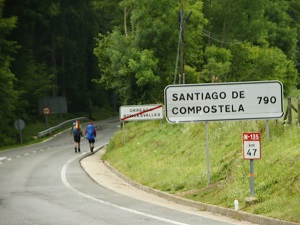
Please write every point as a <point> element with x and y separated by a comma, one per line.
<point>79,150</point>
<point>75,149</point>
<point>92,149</point>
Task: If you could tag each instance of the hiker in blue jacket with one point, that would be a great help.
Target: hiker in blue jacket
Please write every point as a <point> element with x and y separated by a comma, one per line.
<point>90,134</point>
<point>77,134</point>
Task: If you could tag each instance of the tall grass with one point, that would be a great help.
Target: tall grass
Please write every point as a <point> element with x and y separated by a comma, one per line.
<point>172,158</point>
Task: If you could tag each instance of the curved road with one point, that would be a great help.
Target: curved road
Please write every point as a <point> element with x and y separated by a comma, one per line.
<point>45,184</point>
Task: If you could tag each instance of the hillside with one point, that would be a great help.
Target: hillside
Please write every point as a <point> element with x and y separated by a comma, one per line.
<point>172,158</point>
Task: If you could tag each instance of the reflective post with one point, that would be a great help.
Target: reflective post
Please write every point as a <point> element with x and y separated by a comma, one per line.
<point>251,177</point>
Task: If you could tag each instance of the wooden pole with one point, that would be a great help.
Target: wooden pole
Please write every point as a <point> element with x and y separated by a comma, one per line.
<point>182,78</point>
<point>289,111</point>
<point>298,100</point>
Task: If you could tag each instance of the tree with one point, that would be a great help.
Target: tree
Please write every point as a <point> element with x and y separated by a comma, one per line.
<point>235,21</point>
<point>251,63</point>
<point>125,69</point>
<point>56,46</point>
<point>8,94</point>
<point>263,23</point>
<point>137,59</point>
<point>282,31</point>
<point>218,64</point>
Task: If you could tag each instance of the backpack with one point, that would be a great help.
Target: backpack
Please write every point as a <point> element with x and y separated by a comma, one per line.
<point>76,128</point>
<point>90,131</point>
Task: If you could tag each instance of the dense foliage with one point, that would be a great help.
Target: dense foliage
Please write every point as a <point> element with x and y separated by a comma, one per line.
<point>223,41</point>
<point>87,50</point>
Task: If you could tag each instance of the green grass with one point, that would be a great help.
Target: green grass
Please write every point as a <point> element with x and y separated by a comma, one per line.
<point>172,158</point>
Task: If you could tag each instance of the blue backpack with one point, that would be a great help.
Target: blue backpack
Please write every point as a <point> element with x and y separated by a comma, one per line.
<point>75,130</point>
<point>90,131</point>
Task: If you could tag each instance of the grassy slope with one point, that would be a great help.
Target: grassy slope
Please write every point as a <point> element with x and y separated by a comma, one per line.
<point>172,158</point>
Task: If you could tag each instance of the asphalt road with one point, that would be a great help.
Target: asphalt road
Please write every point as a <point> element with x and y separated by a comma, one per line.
<point>46,184</point>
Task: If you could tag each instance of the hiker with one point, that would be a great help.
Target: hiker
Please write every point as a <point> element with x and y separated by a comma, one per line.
<point>77,134</point>
<point>90,134</point>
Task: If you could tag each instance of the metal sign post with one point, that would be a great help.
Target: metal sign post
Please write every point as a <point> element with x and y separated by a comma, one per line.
<point>19,125</point>
<point>207,155</point>
<point>46,111</point>
<point>251,151</point>
<point>124,132</point>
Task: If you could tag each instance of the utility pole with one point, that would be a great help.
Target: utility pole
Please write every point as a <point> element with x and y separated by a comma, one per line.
<point>182,75</point>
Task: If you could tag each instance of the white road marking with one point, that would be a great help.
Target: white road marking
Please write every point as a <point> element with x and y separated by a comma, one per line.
<point>2,158</point>
<point>67,184</point>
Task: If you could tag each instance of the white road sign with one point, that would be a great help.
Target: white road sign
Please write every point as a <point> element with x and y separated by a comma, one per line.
<point>224,101</point>
<point>141,112</point>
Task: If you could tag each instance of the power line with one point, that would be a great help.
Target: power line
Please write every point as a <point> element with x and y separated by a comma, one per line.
<point>217,37</point>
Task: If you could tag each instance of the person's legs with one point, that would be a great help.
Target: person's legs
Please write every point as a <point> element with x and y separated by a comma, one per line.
<point>92,141</point>
<point>76,142</point>
<point>75,146</point>
<point>90,144</point>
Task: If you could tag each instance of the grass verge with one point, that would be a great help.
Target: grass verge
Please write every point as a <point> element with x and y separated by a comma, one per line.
<point>172,158</point>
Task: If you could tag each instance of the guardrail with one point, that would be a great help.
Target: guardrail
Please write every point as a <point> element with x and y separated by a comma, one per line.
<point>51,129</point>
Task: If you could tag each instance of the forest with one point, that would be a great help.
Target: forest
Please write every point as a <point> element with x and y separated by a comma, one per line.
<point>96,51</point>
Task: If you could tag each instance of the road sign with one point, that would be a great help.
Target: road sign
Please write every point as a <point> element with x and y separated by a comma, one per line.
<point>19,124</point>
<point>251,145</point>
<point>224,101</point>
<point>46,110</point>
<point>141,112</point>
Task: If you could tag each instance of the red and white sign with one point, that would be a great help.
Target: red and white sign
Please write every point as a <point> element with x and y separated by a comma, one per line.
<point>251,145</point>
<point>141,112</point>
<point>46,110</point>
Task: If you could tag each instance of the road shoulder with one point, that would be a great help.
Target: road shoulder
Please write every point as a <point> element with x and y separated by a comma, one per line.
<point>105,175</point>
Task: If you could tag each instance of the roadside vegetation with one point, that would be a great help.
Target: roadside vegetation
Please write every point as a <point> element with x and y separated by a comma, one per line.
<point>172,158</point>
<point>31,130</point>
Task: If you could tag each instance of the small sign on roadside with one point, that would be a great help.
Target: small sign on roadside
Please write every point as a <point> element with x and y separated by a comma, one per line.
<point>46,110</point>
<point>20,125</point>
<point>251,145</point>
<point>141,112</point>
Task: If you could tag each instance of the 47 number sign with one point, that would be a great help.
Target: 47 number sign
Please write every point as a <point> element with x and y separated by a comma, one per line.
<point>251,145</point>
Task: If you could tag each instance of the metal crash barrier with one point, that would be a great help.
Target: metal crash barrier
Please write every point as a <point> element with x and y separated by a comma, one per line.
<point>51,129</point>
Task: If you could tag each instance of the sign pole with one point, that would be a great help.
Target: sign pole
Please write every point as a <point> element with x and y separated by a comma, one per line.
<point>19,125</point>
<point>46,121</point>
<point>124,132</point>
<point>251,152</point>
<point>46,111</point>
<point>20,131</point>
<point>267,129</point>
<point>207,154</point>
<point>252,177</point>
